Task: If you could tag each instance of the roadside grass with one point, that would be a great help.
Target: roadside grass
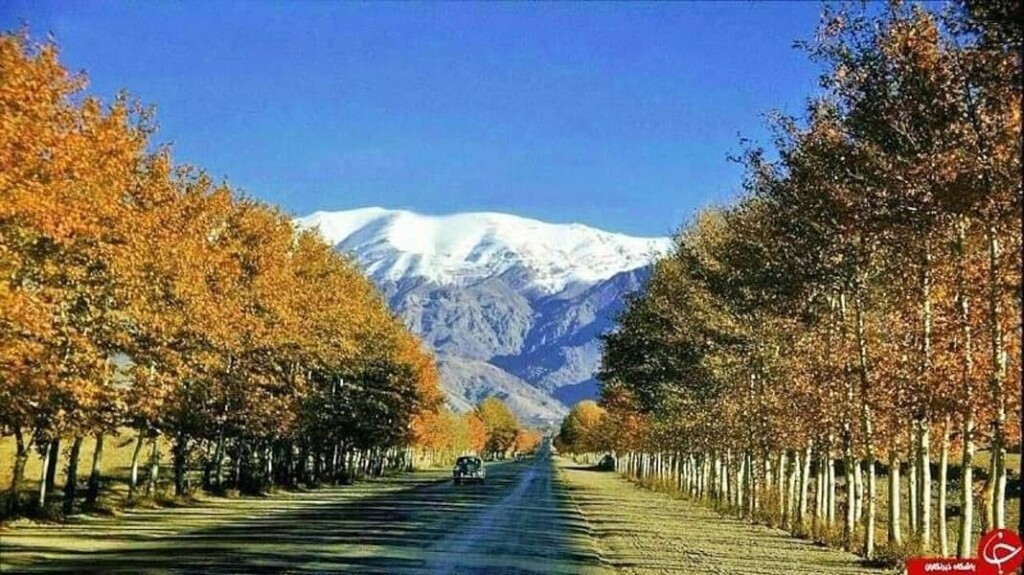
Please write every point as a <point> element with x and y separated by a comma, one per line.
<point>175,537</point>
<point>414,524</point>
<point>115,468</point>
<point>645,532</point>
<point>116,462</point>
<point>888,555</point>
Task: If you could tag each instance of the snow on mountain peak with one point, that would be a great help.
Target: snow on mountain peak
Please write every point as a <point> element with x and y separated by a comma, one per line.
<point>465,247</point>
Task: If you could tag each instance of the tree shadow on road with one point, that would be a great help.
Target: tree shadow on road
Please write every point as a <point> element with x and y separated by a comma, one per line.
<point>332,531</point>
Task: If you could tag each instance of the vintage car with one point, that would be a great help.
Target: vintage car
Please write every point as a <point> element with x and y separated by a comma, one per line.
<point>468,468</point>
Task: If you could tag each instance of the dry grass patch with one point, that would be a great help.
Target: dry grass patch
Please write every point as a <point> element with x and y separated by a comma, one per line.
<point>644,532</point>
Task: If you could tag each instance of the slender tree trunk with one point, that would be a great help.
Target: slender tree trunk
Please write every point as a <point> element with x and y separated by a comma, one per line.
<point>805,486</point>
<point>851,496</point>
<point>44,478</point>
<point>997,379</point>
<point>721,478</point>
<point>748,485</point>
<point>830,480</point>
<point>819,495</point>
<point>867,425</point>
<point>791,488</point>
<point>236,464</point>
<point>18,475</point>
<point>698,475</point>
<point>869,528</point>
<point>71,482</point>
<point>925,487</point>
<point>727,477</point>
<point>218,460</point>
<point>180,464</point>
<point>741,486</point>
<point>154,466</point>
<point>965,547</point>
<point>943,487</point>
<point>988,496</point>
<point>757,476</point>
<point>705,477</point>
<point>302,465</point>
<point>847,437</point>
<point>133,478</point>
<point>858,491</point>
<point>912,496</point>
<point>924,422</point>
<point>781,486</point>
<point>94,473</point>
<point>269,474</point>
<point>895,537</point>
<point>710,467</point>
<point>827,459</point>
<point>289,464</point>
<point>965,540</point>
<point>51,473</point>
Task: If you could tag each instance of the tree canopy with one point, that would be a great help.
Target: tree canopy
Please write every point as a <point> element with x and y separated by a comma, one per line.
<point>139,293</point>
<point>860,302</point>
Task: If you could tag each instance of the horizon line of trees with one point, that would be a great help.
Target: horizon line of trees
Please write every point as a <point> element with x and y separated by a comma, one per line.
<point>140,295</point>
<point>856,314</point>
<point>489,429</point>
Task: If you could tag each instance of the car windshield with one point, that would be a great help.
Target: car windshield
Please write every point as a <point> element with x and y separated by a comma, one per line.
<point>468,463</point>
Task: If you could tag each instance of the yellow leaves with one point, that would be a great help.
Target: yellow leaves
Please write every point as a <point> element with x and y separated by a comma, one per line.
<point>527,440</point>
<point>217,301</point>
<point>580,428</point>
<point>477,431</point>
<point>499,423</point>
<point>780,319</point>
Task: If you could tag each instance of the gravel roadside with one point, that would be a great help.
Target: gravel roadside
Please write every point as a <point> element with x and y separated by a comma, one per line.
<point>644,532</point>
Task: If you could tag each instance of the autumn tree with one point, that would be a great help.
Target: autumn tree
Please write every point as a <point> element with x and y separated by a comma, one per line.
<point>141,294</point>
<point>500,423</point>
<point>854,304</point>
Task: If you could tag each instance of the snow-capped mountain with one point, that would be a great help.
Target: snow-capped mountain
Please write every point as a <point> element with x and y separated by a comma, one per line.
<point>513,307</point>
<point>463,248</point>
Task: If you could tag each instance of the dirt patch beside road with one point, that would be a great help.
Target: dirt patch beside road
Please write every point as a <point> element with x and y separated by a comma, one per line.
<point>643,532</point>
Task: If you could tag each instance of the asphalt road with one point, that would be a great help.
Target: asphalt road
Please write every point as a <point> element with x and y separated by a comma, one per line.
<point>520,522</point>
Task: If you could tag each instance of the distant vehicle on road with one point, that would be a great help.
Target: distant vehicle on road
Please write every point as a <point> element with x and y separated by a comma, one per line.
<point>468,468</point>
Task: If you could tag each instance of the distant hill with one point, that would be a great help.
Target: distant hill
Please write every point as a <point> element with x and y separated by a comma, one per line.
<point>513,307</point>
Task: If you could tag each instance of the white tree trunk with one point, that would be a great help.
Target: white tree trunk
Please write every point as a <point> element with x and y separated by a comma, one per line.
<point>924,514</point>
<point>894,530</point>
<point>912,485</point>
<point>943,487</point>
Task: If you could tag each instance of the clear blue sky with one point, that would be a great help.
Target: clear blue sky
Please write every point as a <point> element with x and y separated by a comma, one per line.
<point>610,114</point>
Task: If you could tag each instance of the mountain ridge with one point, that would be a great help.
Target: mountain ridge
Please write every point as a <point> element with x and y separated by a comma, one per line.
<point>512,307</point>
<point>464,247</point>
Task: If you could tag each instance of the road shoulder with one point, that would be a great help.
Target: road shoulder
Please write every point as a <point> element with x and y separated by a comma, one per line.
<point>644,532</point>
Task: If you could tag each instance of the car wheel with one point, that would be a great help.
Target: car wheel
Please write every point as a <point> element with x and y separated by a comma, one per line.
<point>457,481</point>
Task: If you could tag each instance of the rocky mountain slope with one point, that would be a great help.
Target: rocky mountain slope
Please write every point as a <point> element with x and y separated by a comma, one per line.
<point>513,307</point>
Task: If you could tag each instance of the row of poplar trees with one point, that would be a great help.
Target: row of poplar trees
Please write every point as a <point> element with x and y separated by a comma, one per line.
<point>140,295</point>
<point>855,315</point>
<point>491,428</point>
